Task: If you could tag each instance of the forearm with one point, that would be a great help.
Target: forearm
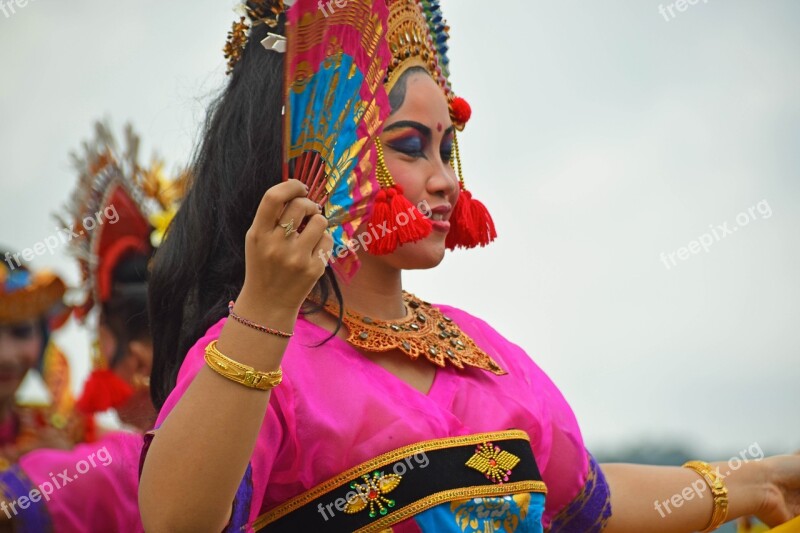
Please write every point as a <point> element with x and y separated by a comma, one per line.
<point>674,499</point>
<point>200,453</point>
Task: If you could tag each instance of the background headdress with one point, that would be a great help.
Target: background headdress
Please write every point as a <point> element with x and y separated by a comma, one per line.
<point>118,209</point>
<point>26,295</point>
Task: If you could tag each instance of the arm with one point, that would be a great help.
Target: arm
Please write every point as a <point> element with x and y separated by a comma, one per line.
<point>200,453</point>
<point>673,499</point>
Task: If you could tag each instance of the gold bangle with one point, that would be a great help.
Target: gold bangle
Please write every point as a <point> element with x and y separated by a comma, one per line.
<point>243,374</point>
<point>718,490</point>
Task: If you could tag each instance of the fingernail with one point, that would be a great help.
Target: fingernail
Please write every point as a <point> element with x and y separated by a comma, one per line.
<point>319,207</point>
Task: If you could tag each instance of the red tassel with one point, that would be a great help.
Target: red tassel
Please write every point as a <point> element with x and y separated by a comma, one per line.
<point>90,433</point>
<point>471,224</point>
<point>413,227</point>
<point>103,390</point>
<point>460,223</point>
<point>483,223</point>
<point>388,222</point>
<point>381,214</point>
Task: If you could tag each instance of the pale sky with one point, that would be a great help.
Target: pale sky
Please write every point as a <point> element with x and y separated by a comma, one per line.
<point>603,135</point>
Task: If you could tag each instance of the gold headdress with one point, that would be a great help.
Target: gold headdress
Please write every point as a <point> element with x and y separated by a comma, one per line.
<point>25,295</point>
<point>411,43</point>
<point>118,206</point>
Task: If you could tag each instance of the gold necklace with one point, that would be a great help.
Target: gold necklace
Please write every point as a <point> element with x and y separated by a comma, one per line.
<point>425,330</point>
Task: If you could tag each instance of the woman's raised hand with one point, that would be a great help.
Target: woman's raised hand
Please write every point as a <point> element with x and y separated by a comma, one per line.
<point>282,264</point>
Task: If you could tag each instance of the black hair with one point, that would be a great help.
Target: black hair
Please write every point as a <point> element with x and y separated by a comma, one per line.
<point>397,96</point>
<point>125,312</point>
<point>200,267</point>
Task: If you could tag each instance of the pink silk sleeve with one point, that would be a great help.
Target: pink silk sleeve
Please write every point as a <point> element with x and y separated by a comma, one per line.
<point>273,444</point>
<point>92,487</point>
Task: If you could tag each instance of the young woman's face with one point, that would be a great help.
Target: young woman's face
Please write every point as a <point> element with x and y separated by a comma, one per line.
<point>417,143</point>
<point>20,347</point>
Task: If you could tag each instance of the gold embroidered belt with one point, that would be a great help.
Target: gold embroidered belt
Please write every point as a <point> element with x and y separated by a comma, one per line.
<point>402,483</point>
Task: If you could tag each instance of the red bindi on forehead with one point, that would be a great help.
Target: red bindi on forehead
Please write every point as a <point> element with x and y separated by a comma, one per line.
<point>439,126</point>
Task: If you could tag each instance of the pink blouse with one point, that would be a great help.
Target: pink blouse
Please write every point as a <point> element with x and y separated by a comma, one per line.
<point>336,408</point>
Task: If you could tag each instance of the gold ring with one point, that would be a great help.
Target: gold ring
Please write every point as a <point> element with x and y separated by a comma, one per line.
<point>288,227</point>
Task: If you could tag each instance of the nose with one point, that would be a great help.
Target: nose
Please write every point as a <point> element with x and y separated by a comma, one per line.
<point>443,182</point>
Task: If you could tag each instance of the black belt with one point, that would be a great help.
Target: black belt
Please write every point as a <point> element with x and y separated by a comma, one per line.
<point>402,483</point>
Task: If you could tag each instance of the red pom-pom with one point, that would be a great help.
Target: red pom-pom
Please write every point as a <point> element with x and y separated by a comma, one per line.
<point>103,390</point>
<point>393,230</point>
<point>471,224</point>
<point>460,111</point>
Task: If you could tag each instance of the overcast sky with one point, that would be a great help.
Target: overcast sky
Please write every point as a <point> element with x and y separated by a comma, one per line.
<point>603,136</point>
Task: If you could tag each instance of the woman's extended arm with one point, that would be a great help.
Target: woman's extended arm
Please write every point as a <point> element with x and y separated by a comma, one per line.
<point>200,453</point>
<point>673,499</point>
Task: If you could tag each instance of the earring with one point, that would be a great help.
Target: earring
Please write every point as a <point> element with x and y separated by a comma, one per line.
<point>400,220</point>
<point>141,381</point>
<point>471,223</point>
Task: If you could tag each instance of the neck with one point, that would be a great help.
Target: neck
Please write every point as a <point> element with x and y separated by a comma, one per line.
<point>375,291</point>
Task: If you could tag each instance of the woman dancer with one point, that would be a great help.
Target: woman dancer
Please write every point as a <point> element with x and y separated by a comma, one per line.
<point>120,209</point>
<point>358,435</point>
<point>31,307</point>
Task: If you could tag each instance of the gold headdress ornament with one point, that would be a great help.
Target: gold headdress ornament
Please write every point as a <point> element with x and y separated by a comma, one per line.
<point>411,43</point>
<point>255,12</point>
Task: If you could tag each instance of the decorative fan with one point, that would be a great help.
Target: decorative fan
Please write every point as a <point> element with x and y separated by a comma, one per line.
<point>336,103</point>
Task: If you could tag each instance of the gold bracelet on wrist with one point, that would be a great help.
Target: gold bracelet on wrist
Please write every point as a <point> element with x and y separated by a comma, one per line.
<point>718,490</point>
<point>242,374</point>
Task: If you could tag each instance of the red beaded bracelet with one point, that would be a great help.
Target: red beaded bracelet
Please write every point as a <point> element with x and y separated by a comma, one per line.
<point>249,324</point>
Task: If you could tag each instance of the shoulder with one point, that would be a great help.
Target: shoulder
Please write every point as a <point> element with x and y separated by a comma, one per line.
<point>491,340</point>
<point>191,365</point>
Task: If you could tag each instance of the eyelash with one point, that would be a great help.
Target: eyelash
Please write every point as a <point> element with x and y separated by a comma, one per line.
<point>446,155</point>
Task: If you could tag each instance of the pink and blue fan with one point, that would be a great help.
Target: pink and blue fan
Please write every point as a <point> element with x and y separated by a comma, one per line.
<point>336,104</point>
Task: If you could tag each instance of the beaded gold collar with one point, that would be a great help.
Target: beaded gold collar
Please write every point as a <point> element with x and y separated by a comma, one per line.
<point>425,330</point>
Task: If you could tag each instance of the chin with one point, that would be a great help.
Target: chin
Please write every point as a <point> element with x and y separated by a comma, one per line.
<point>421,255</point>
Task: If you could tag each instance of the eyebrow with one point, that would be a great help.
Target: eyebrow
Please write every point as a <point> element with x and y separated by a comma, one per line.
<point>423,129</point>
